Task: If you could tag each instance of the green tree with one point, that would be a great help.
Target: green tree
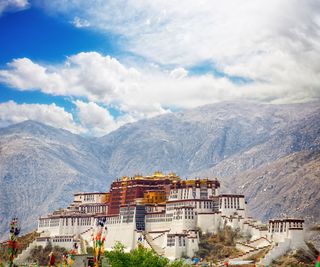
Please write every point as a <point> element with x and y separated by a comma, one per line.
<point>139,257</point>
<point>145,257</point>
<point>117,257</point>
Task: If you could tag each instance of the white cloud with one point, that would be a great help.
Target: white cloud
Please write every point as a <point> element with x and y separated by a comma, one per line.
<point>91,118</point>
<point>97,120</point>
<point>275,43</point>
<point>25,75</point>
<point>149,91</point>
<point>178,73</point>
<point>80,23</point>
<point>13,5</point>
<point>11,112</point>
<point>85,74</point>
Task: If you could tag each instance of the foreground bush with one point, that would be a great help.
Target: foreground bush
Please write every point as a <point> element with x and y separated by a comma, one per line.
<point>139,257</point>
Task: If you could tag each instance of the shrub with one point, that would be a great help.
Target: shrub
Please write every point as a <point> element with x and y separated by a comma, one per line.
<point>139,257</point>
<point>40,255</point>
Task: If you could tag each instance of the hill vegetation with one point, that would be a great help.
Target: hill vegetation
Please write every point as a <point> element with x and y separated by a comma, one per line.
<point>220,246</point>
<point>23,242</point>
<point>40,255</point>
<point>139,257</point>
<point>298,258</point>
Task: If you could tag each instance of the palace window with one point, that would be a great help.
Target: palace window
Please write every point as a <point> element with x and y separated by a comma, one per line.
<point>170,241</point>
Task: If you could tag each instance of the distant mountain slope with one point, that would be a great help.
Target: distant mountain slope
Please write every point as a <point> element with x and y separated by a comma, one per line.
<point>292,137</point>
<point>287,187</point>
<point>40,166</point>
<point>220,139</point>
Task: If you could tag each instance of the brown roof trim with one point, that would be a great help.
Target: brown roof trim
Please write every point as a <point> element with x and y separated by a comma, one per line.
<point>286,220</point>
<point>207,213</point>
<point>184,207</point>
<point>177,234</point>
<point>80,215</point>
<point>128,205</point>
<point>107,215</point>
<point>156,212</point>
<point>157,232</point>
<point>231,195</point>
<point>190,199</point>
<point>162,204</point>
<point>90,193</point>
<point>93,204</point>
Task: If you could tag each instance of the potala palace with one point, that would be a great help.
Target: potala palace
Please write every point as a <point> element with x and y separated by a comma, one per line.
<point>165,213</point>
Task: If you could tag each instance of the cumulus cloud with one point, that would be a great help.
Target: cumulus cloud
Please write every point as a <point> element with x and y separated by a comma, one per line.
<point>11,112</point>
<point>89,118</point>
<point>145,92</point>
<point>97,120</point>
<point>13,5</point>
<point>274,43</point>
<point>85,74</point>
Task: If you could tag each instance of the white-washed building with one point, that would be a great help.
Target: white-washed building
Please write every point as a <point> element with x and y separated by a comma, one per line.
<point>162,212</point>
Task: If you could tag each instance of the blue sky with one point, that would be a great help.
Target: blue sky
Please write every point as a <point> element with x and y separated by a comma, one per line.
<point>33,34</point>
<point>92,67</point>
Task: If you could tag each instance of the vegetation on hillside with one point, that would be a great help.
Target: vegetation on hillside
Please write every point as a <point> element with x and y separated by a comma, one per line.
<point>219,246</point>
<point>23,243</point>
<point>298,258</point>
<point>139,257</point>
<point>40,255</point>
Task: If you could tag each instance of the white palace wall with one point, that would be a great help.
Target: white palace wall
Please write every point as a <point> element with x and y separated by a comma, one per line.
<point>121,232</point>
<point>170,228</point>
<point>208,222</point>
<point>65,226</point>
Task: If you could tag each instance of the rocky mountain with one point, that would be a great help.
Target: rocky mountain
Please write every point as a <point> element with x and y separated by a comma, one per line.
<point>221,139</point>
<point>286,187</point>
<point>40,168</point>
<point>240,142</point>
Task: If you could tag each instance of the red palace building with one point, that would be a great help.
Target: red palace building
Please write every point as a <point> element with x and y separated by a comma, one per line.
<point>127,190</point>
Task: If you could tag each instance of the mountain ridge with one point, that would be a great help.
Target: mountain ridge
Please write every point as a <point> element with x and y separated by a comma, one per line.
<point>41,166</point>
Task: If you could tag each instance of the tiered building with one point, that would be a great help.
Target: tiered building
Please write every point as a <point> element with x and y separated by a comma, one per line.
<point>162,212</point>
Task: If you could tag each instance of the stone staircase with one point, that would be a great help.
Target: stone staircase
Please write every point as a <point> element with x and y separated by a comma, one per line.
<point>23,256</point>
<point>83,236</point>
<point>86,231</point>
<point>251,252</point>
<point>83,246</point>
<point>154,247</point>
<point>276,251</point>
<point>259,242</point>
<point>244,247</point>
<point>160,235</point>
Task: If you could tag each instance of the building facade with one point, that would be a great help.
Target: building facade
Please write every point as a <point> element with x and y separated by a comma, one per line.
<point>161,212</point>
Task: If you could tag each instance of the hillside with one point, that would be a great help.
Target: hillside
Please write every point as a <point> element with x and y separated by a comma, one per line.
<point>221,139</point>
<point>40,168</point>
<point>269,152</point>
<point>287,187</point>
